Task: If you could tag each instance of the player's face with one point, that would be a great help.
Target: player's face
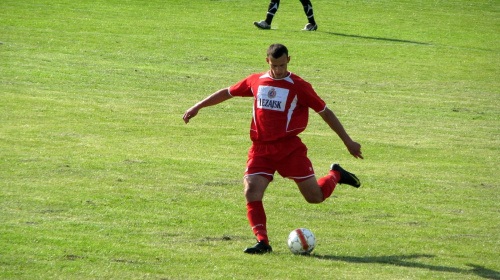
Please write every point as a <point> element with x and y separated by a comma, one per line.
<point>278,66</point>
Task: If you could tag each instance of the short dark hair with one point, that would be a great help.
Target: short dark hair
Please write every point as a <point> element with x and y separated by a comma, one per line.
<point>277,50</point>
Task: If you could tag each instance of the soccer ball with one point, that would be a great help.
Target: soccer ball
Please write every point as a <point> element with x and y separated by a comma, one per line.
<point>301,241</point>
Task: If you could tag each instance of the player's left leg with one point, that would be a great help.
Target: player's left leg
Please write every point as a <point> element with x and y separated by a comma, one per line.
<point>271,11</point>
<point>317,191</point>
<point>308,10</point>
<point>311,190</point>
<point>346,177</point>
<point>298,167</point>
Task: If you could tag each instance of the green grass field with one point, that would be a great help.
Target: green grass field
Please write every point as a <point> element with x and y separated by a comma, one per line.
<point>101,179</point>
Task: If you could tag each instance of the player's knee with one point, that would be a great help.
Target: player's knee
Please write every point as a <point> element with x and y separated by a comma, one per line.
<point>255,187</point>
<point>251,190</point>
<point>314,199</point>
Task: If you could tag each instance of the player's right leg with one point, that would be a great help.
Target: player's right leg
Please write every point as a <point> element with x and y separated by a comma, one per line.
<point>308,10</point>
<point>255,186</point>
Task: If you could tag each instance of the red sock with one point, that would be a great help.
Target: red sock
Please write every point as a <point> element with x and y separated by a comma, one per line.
<point>257,218</point>
<point>328,183</point>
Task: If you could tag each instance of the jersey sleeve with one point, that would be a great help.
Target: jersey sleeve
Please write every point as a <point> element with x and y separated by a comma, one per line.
<point>310,98</point>
<point>242,88</point>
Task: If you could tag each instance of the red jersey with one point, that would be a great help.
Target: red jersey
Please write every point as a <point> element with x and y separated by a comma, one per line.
<point>281,106</point>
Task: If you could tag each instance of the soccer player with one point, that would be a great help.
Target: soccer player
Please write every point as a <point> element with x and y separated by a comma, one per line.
<point>273,8</point>
<point>280,112</point>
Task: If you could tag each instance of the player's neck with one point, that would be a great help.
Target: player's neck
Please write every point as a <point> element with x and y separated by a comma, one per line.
<point>270,73</point>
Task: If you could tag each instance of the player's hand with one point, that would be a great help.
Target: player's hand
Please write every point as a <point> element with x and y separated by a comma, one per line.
<point>190,113</point>
<point>355,149</point>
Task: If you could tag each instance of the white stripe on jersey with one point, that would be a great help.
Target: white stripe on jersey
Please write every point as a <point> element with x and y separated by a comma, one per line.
<point>290,111</point>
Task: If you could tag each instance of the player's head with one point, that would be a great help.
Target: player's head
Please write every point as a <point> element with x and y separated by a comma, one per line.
<point>277,58</point>
<point>277,50</point>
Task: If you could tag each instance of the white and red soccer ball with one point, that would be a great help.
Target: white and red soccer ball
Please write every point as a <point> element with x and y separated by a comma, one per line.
<point>301,241</point>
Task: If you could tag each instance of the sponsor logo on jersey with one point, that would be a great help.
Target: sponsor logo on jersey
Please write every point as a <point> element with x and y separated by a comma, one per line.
<point>272,93</point>
<point>272,98</point>
<point>269,104</point>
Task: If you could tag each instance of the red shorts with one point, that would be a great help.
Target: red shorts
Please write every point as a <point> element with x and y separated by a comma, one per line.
<point>288,157</point>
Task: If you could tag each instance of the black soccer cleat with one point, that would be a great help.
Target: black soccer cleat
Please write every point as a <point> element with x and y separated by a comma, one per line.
<point>259,248</point>
<point>345,176</point>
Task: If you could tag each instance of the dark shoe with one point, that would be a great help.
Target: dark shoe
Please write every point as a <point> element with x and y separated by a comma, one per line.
<point>259,248</point>
<point>346,177</point>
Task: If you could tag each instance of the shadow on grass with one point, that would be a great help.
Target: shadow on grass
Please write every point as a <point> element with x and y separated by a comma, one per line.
<point>358,37</point>
<point>375,38</point>
<point>404,261</point>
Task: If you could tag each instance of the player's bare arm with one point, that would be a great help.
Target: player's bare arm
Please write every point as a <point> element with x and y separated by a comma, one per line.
<point>331,119</point>
<point>214,99</point>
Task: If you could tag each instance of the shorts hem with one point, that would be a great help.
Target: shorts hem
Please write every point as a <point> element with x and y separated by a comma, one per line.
<point>259,173</point>
<point>300,178</point>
